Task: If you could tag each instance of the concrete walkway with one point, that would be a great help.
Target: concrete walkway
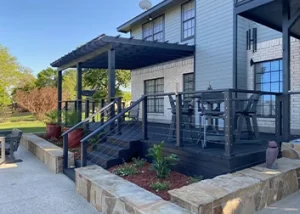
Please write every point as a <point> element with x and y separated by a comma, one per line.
<point>30,188</point>
<point>288,205</point>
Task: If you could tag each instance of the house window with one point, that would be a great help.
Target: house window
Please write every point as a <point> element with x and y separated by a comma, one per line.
<point>268,77</point>
<point>188,20</point>
<point>154,30</point>
<point>155,86</point>
<point>188,85</point>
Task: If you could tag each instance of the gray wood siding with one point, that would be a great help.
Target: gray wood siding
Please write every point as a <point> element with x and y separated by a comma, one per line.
<point>137,33</point>
<point>214,43</point>
<point>172,27</point>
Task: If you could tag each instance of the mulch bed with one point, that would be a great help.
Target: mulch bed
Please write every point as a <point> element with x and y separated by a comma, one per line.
<point>144,178</point>
<point>147,176</point>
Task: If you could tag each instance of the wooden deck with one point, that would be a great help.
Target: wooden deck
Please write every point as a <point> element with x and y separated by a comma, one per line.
<point>194,160</point>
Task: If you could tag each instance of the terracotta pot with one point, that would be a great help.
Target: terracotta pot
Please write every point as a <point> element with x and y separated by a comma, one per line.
<point>74,137</point>
<point>53,131</point>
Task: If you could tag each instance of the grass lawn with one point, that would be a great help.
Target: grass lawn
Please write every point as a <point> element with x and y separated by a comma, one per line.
<point>24,121</point>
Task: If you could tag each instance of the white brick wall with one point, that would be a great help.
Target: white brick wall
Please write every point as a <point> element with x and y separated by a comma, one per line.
<point>172,73</point>
<point>270,50</point>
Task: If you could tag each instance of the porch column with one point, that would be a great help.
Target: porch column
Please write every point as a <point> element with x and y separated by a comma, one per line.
<point>59,95</point>
<point>111,74</point>
<point>79,91</point>
<point>235,46</point>
<point>286,59</point>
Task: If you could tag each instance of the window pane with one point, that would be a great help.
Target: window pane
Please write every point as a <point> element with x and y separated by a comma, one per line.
<point>275,76</point>
<point>156,86</point>
<point>268,78</point>
<point>154,30</point>
<point>188,19</point>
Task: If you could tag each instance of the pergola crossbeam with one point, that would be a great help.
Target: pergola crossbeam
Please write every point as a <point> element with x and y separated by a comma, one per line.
<point>86,57</point>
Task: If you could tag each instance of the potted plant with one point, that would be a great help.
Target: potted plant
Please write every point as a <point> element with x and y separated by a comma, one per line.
<point>53,129</point>
<point>74,137</point>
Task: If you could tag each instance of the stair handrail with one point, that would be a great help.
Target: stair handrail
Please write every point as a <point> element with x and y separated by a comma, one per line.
<point>112,120</point>
<point>90,117</point>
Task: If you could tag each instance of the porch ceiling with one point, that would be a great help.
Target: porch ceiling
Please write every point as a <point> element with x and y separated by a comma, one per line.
<point>268,13</point>
<point>129,53</point>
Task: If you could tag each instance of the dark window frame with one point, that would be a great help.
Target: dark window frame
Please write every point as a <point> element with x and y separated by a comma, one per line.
<point>188,96</point>
<point>152,29</point>
<point>157,108</point>
<point>272,114</point>
<point>184,21</point>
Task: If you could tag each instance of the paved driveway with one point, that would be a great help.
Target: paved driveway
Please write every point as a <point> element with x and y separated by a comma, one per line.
<point>30,188</point>
<point>288,205</point>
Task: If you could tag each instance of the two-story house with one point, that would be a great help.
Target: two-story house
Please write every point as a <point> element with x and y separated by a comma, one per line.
<point>209,26</point>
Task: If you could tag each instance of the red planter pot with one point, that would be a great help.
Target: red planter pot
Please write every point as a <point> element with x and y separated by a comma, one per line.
<point>53,131</point>
<point>74,137</point>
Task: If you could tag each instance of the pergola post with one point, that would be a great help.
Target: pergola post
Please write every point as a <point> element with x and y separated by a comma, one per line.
<point>111,74</point>
<point>111,80</point>
<point>79,91</point>
<point>59,96</point>
<point>286,59</point>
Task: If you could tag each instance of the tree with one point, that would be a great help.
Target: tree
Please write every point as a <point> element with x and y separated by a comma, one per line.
<point>47,78</point>
<point>9,75</point>
<point>69,84</point>
<point>37,101</point>
<point>97,79</point>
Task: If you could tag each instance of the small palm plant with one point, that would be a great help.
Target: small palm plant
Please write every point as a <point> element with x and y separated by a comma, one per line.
<point>52,117</point>
<point>161,164</point>
<point>71,118</point>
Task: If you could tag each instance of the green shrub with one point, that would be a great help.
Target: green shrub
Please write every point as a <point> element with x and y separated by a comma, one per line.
<point>160,186</point>
<point>126,170</point>
<point>195,179</point>
<point>139,162</point>
<point>161,164</point>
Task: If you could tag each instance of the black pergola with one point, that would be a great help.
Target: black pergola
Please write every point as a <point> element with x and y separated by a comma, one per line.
<point>108,52</point>
<point>280,15</point>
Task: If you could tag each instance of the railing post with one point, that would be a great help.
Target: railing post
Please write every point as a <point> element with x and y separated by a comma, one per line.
<point>102,113</point>
<point>84,146</point>
<point>112,114</point>
<point>179,132</point>
<point>145,118</point>
<point>65,151</point>
<point>87,114</point>
<point>119,106</point>
<point>229,123</point>
<point>66,110</point>
<point>278,118</point>
<point>87,108</point>
<point>93,110</point>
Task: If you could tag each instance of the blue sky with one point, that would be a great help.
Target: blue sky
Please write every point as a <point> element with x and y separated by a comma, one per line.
<point>38,32</point>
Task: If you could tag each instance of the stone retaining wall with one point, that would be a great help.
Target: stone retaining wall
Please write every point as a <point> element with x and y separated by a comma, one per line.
<point>291,150</point>
<point>245,191</point>
<point>50,154</point>
<point>109,193</point>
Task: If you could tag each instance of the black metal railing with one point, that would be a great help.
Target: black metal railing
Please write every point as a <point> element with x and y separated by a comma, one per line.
<point>225,118</point>
<point>187,115</point>
<point>83,128</point>
<point>116,125</point>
